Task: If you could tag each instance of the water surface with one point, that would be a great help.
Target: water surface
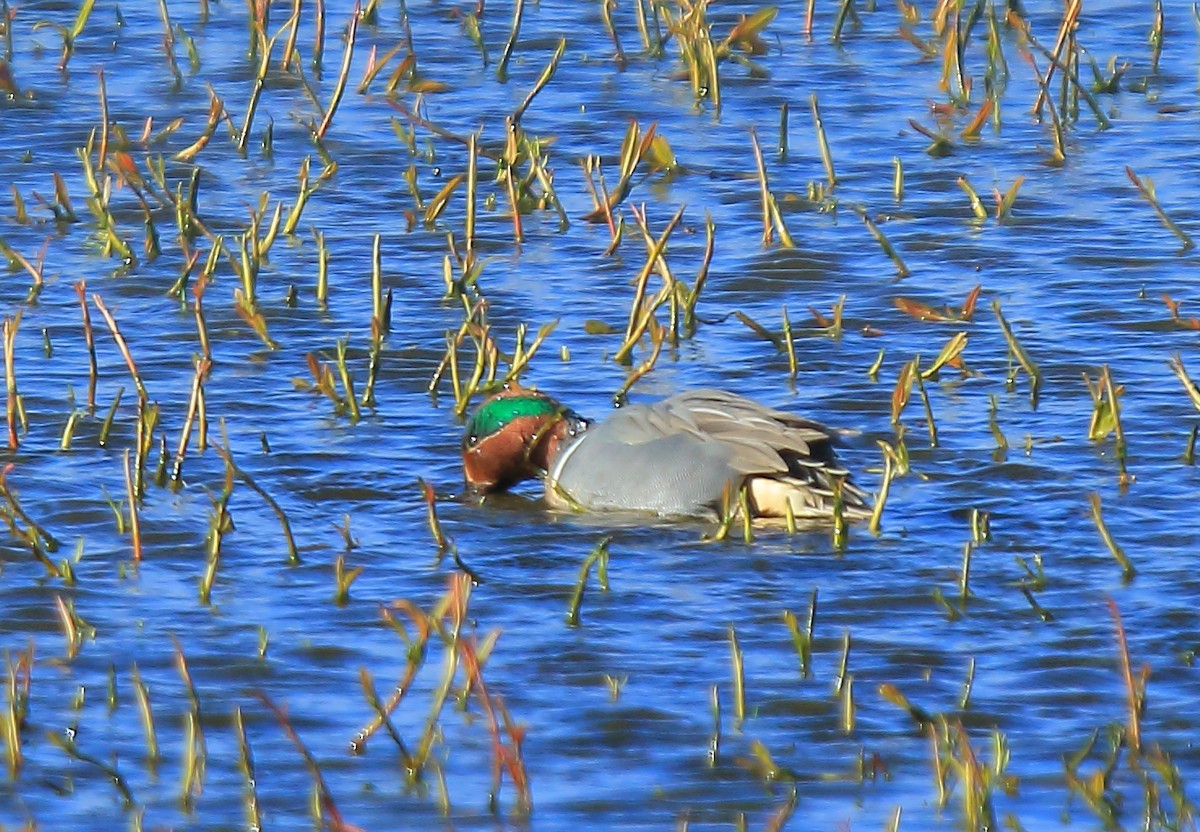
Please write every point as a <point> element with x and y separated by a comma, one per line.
<point>1079,268</point>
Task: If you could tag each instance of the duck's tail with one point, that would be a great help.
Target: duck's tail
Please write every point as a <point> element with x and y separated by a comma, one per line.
<point>805,499</point>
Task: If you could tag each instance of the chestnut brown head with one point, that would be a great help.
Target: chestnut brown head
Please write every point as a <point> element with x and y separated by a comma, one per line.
<point>513,436</point>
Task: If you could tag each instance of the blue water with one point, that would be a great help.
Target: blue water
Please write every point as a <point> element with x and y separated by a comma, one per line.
<point>1079,268</point>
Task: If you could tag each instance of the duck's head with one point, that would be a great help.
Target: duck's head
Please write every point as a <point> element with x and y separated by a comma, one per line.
<point>514,435</point>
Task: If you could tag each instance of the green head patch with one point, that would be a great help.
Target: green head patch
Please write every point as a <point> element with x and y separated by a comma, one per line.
<point>495,414</point>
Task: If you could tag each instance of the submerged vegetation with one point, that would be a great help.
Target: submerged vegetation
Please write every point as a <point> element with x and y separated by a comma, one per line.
<point>254,250</point>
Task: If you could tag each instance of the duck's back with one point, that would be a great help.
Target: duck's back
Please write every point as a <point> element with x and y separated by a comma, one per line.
<point>670,475</point>
<point>684,454</point>
<point>678,456</point>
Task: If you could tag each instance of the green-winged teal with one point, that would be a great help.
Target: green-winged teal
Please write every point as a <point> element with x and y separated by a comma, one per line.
<point>683,455</point>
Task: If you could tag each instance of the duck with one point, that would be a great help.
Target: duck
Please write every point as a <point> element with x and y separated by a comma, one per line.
<point>688,455</point>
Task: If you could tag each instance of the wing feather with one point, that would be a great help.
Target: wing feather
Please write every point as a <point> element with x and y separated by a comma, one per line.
<point>762,444</point>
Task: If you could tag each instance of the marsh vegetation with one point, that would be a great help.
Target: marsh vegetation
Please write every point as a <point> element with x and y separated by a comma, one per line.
<point>262,258</point>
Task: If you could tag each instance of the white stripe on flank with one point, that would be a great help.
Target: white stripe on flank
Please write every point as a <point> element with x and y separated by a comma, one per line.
<point>552,486</point>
